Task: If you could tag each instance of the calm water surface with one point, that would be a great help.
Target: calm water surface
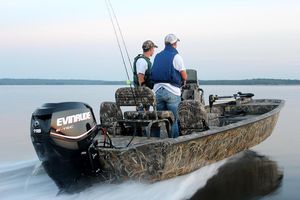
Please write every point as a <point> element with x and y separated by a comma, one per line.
<point>269,171</point>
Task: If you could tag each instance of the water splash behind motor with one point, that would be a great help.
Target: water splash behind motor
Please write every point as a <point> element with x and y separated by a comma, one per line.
<point>30,184</point>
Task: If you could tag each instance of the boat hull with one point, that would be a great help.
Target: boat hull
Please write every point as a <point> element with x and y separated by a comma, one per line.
<point>164,159</point>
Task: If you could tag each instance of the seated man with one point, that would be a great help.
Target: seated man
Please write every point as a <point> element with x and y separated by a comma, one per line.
<point>168,73</point>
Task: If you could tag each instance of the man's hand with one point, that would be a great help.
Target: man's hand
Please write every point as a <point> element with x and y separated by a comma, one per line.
<point>141,79</point>
<point>183,75</point>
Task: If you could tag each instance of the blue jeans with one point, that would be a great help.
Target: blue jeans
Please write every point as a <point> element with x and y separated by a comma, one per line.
<point>168,101</point>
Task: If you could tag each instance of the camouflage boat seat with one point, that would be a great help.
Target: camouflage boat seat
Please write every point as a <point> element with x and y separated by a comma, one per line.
<point>110,113</point>
<point>192,116</point>
<point>191,90</point>
<point>146,115</point>
<point>142,96</point>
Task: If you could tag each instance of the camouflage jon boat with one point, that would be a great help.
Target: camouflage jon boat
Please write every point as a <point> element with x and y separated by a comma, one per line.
<point>158,159</point>
<point>71,144</point>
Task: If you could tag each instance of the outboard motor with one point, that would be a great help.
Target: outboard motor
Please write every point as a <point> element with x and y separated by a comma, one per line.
<point>61,134</point>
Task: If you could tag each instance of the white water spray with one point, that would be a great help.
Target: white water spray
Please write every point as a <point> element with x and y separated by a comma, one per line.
<point>28,180</point>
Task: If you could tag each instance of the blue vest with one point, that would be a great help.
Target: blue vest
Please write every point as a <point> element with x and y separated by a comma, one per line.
<point>163,70</point>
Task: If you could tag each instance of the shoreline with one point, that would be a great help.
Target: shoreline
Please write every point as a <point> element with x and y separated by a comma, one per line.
<point>276,82</point>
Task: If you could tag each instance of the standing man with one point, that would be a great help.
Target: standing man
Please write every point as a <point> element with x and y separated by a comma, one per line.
<point>168,73</point>
<point>142,65</point>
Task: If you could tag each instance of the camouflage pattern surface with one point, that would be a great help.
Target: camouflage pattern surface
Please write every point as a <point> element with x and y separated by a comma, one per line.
<point>148,44</point>
<point>128,96</point>
<point>213,119</point>
<point>112,118</point>
<point>192,115</point>
<point>256,107</point>
<point>166,158</point>
<point>110,113</point>
<point>149,115</point>
<point>192,92</point>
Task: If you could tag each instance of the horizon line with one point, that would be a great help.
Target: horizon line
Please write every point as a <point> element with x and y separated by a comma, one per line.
<point>76,79</point>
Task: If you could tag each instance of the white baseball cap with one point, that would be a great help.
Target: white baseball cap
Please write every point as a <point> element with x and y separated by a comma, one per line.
<point>171,39</point>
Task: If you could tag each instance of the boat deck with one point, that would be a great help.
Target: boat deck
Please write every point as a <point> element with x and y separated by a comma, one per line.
<point>121,141</point>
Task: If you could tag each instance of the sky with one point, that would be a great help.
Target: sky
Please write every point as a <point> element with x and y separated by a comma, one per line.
<point>72,39</point>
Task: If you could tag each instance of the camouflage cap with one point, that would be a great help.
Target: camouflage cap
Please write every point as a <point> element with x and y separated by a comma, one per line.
<point>148,45</point>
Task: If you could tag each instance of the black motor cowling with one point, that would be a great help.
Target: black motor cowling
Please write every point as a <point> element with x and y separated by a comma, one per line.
<point>60,132</point>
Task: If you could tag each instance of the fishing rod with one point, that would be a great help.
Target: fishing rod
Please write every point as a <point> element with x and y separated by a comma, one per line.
<point>117,38</point>
<point>121,34</point>
<point>112,12</point>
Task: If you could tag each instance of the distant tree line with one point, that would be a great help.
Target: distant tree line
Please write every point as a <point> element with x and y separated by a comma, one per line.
<point>58,82</point>
<point>251,82</point>
<point>7,81</point>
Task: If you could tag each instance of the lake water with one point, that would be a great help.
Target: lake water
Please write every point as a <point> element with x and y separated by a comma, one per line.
<point>270,170</point>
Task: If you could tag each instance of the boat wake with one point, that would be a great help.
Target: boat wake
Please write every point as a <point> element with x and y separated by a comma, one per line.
<point>28,180</point>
